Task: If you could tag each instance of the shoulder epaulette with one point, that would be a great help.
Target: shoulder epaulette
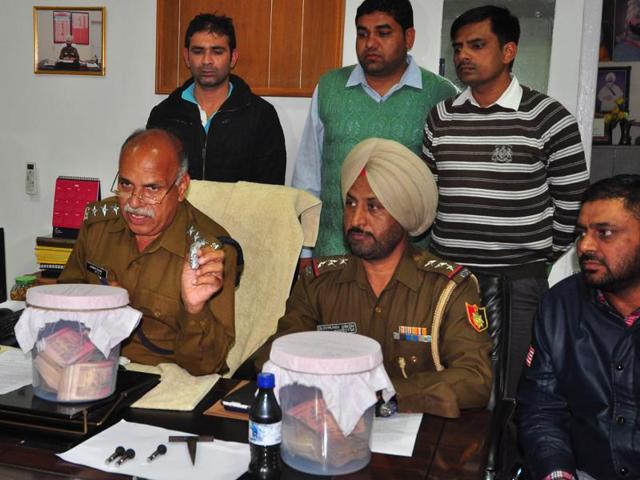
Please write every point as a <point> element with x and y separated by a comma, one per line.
<point>431,263</point>
<point>100,211</point>
<point>326,264</point>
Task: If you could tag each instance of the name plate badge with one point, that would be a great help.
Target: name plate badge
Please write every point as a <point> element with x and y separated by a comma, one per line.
<point>99,271</point>
<point>349,327</point>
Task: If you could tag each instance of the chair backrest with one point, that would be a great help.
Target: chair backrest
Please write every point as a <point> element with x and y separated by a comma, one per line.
<point>494,294</point>
<point>272,223</point>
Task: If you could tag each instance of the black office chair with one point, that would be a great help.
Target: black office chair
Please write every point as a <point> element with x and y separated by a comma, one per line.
<point>503,459</point>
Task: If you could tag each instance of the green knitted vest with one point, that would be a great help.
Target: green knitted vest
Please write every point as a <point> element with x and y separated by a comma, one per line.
<point>349,116</point>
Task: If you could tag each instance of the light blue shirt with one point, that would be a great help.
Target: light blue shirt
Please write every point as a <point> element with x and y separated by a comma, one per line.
<point>307,171</point>
<point>189,95</point>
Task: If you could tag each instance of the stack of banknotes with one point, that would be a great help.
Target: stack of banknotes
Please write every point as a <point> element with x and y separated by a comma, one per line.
<point>71,369</point>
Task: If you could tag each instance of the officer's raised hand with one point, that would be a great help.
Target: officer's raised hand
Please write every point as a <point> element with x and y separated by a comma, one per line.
<point>201,283</point>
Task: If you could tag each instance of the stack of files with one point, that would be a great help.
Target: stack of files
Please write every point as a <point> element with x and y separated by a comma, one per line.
<point>52,253</point>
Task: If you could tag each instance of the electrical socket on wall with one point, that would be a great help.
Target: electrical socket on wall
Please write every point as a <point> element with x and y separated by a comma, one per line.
<point>31,179</point>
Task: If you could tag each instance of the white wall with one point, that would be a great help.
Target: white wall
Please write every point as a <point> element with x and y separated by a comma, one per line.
<point>67,124</point>
<point>74,125</point>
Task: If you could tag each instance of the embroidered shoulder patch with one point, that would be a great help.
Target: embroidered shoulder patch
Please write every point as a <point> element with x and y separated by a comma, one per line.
<point>477,317</point>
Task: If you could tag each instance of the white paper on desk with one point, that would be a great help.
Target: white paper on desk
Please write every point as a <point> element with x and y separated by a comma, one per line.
<point>14,305</point>
<point>395,435</point>
<point>16,369</point>
<point>214,460</point>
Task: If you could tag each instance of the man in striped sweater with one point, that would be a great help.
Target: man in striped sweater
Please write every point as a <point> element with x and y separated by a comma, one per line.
<point>510,170</point>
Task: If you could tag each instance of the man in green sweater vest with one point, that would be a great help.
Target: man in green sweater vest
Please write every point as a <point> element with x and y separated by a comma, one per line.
<point>386,95</point>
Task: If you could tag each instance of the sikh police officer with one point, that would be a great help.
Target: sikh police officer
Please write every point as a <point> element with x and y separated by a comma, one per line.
<point>423,311</point>
<point>140,240</point>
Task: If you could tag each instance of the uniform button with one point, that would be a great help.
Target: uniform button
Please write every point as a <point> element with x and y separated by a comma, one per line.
<point>414,359</point>
<point>378,310</point>
<point>620,421</point>
<point>623,470</point>
<point>157,314</point>
<point>619,367</point>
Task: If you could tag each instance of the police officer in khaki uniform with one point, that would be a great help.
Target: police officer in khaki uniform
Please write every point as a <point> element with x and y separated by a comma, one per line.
<point>141,240</point>
<point>423,311</point>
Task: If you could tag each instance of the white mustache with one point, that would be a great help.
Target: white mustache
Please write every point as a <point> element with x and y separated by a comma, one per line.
<point>141,211</point>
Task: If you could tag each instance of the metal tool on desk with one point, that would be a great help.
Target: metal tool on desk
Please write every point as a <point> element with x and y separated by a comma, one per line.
<point>192,443</point>
<point>128,455</point>
<point>161,450</point>
<point>119,451</point>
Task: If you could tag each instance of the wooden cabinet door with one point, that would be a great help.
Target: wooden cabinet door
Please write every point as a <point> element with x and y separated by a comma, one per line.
<point>284,46</point>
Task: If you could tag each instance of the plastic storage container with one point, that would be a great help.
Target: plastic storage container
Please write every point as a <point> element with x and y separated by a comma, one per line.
<point>19,289</point>
<point>328,383</point>
<point>67,365</point>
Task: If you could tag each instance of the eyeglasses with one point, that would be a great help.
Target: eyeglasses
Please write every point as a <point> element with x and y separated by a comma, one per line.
<point>151,195</point>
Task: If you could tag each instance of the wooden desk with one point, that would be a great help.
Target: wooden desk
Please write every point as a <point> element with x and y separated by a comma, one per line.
<point>445,449</point>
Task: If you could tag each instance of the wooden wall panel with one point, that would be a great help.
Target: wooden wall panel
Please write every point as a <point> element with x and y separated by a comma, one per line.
<point>167,51</point>
<point>286,42</point>
<point>321,35</point>
<point>283,45</point>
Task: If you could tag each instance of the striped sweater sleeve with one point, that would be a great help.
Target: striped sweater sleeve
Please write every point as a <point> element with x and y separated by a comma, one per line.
<point>427,141</point>
<point>567,176</point>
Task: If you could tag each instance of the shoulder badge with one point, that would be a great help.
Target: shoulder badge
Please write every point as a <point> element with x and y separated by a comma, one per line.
<point>326,264</point>
<point>477,317</point>
<point>431,263</point>
<point>100,211</point>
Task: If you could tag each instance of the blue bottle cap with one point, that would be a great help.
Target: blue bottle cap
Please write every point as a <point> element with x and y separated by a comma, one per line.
<point>266,380</point>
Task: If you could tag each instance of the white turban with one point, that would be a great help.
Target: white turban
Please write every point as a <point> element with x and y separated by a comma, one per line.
<point>399,178</point>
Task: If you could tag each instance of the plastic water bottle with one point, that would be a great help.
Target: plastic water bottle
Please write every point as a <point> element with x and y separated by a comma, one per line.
<point>265,431</point>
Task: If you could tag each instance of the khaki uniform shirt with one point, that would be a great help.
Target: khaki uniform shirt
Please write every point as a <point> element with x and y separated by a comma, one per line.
<point>199,342</point>
<point>336,291</point>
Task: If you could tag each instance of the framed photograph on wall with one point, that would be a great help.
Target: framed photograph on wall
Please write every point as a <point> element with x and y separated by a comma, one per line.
<point>627,30</point>
<point>612,84</point>
<point>69,40</point>
<point>607,29</point>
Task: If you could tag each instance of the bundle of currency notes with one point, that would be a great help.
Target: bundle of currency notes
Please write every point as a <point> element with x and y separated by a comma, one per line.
<point>70,368</point>
<point>310,430</point>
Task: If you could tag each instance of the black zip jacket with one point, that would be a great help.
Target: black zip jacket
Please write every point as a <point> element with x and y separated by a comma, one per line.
<point>579,401</point>
<point>245,139</point>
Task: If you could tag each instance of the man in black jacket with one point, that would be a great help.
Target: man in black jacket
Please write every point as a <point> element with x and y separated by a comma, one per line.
<point>579,396</point>
<point>229,133</point>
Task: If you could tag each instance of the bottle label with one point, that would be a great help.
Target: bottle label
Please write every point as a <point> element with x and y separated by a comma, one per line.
<point>265,434</point>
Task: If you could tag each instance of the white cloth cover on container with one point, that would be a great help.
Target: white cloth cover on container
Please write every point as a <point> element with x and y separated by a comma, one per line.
<point>346,367</point>
<point>102,309</point>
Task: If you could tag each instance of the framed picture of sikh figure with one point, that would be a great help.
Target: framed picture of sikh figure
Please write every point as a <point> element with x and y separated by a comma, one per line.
<point>69,40</point>
<point>612,84</point>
